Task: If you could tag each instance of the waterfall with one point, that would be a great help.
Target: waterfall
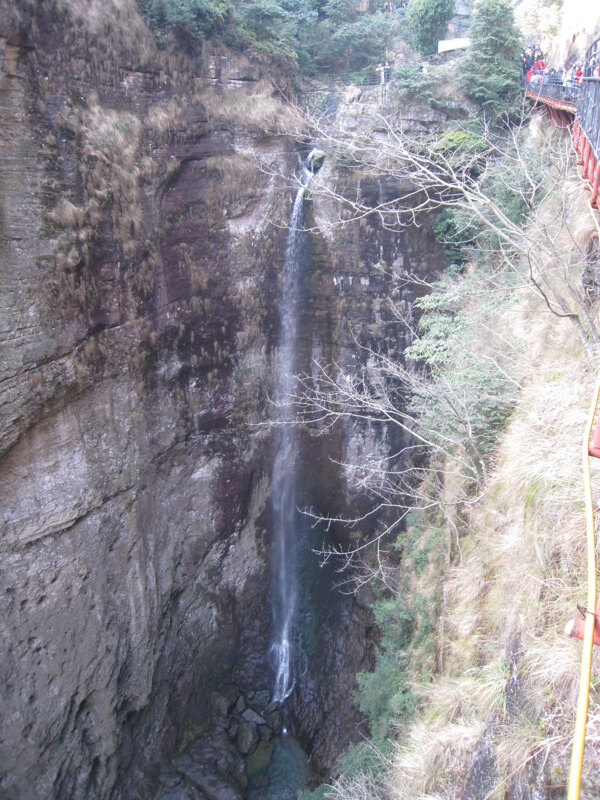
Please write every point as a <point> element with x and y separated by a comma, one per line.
<point>285,578</point>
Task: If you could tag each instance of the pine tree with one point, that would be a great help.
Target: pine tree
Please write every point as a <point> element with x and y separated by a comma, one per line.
<point>491,72</point>
<point>428,20</point>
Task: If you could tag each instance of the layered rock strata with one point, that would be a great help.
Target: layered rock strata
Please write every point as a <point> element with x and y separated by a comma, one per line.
<point>140,270</point>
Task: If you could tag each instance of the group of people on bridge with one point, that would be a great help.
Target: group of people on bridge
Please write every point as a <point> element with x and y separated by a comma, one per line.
<point>535,70</point>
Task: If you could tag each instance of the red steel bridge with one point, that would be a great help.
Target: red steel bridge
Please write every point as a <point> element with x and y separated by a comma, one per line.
<point>576,106</point>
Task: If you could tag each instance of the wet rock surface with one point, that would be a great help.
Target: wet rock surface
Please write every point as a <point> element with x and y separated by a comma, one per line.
<point>139,284</point>
<point>233,755</point>
<point>182,793</point>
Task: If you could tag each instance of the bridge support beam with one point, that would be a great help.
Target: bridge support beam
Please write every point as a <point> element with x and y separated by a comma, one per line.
<point>587,151</point>
<point>595,186</point>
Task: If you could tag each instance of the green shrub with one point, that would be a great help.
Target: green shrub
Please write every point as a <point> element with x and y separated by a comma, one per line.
<point>450,236</point>
<point>283,29</point>
<point>490,72</point>
<point>347,40</point>
<point>469,398</point>
<point>305,34</point>
<point>411,81</point>
<point>396,623</point>
<point>428,20</point>
<point>192,19</point>
<point>384,695</point>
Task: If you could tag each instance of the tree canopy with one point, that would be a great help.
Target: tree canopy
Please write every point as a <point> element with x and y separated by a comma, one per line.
<point>428,20</point>
<point>329,35</point>
<point>491,71</point>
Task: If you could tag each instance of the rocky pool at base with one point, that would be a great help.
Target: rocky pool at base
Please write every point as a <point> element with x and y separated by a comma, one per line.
<point>288,771</point>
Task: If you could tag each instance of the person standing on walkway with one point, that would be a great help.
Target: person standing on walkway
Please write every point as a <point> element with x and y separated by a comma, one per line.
<point>381,72</point>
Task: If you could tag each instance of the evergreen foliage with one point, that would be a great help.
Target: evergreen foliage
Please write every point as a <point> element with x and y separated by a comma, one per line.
<point>469,398</point>
<point>428,20</point>
<point>490,71</point>
<point>516,192</point>
<point>447,232</point>
<point>283,30</point>
<point>190,19</point>
<point>410,81</point>
<point>333,36</point>
<point>349,40</point>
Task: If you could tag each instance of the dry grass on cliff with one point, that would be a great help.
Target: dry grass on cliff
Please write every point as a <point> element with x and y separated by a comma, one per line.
<point>163,118</point>
<point>110,175</point>
<point>505,658</point>
<point>110,28</point>
<point>259,108</point>
<point>108,165</point>
<point>523,571</point>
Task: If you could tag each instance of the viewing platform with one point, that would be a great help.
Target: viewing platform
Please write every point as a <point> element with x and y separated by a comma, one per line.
<point>576,105</point>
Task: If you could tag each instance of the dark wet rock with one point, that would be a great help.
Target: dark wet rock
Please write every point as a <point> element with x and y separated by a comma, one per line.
<point>204,778</point>
<point>242,780</point>
<point>265,732</point>
<point>275,720</point>
<point>169,779</point>
<point>323,723</point>
<point>240,706</point>
<point>520,790</point>
<point>365,596</point>
<point>133,554</point>
<point>260,781</point>
<point>214,750</point>
<point>251,716</point>
<point>260,700</point>
<point>224,700</point>
<point>233,729</point>
<point>258,761</point>
<point>481,777</point>
<point>535,782</point>
<point>247,737</point>
<point>182,793</point>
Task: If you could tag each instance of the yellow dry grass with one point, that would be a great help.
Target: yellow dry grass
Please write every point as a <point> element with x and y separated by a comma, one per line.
<point>117,24</point>
<point>108,143</point>
<point>523,570</point>
<point>522,574</point>
<point>259,107</point>
<point>163,118</point>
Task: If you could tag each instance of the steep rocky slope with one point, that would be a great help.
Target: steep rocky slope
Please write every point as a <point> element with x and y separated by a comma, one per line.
<point>140,271</point>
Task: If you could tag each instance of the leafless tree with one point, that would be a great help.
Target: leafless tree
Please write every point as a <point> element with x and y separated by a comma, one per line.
<point>457,170</point>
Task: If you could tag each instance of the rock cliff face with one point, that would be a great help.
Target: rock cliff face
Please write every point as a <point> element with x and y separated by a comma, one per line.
<point>140,271</point>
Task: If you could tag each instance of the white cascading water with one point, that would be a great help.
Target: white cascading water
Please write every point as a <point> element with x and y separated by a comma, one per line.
<point>285,580</point>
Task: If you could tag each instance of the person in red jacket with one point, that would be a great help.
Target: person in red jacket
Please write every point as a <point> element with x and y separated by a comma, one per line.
<point>540,64</point>
<point>578,74</point>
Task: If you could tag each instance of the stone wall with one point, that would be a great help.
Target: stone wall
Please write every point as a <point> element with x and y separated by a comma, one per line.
<point>139,279</point>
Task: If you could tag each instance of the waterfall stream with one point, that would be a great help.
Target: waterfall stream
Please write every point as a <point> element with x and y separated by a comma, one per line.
<point>285,577</point>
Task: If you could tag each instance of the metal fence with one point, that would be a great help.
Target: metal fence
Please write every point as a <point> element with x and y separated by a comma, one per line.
<point>592,52</point>
<point>588,106</point>
<point>588,112</point>
<point>553,87</point>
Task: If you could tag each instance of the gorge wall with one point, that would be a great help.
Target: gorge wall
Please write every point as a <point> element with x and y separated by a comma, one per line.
<point>140,272</point>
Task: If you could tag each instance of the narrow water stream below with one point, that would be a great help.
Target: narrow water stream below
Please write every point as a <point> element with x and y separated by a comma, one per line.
<point>288,772</point>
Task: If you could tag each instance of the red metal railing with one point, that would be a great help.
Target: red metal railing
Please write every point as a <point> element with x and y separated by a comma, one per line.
<point>583,103</point>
